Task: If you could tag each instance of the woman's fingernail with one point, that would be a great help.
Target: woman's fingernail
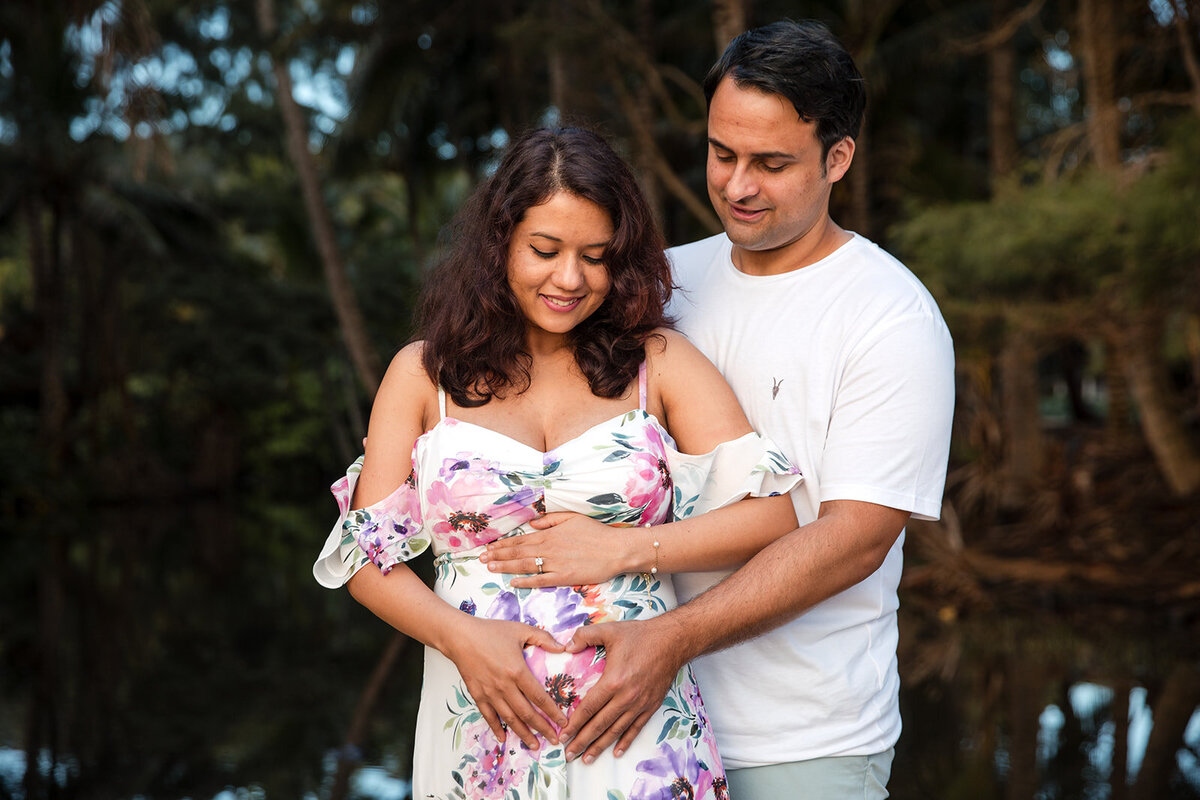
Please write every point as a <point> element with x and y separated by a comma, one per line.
<point>588,759</point>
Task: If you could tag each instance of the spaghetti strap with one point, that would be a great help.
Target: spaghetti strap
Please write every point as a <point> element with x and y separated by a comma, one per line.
<point>642,386</point>
<point>441,402</point>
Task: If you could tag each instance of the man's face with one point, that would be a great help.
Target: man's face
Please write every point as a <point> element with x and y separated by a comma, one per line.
<point>767,179</point>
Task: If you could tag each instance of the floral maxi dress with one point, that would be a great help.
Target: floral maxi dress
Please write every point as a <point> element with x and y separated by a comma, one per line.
<point>471,485</point>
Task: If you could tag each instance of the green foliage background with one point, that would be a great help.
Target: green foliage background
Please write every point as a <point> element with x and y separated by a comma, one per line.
<point>176,394</point>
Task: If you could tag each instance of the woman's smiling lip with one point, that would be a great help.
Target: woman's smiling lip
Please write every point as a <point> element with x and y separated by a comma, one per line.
<point>558,303</point>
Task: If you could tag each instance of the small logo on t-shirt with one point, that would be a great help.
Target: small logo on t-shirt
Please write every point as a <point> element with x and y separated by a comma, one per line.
<point>775,387</point>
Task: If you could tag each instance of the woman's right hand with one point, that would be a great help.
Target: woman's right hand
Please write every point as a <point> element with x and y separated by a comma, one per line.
<point>489,654</point>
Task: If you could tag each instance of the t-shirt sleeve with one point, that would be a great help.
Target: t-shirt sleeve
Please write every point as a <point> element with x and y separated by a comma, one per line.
<point>889,433</point>
<point>385,533</point>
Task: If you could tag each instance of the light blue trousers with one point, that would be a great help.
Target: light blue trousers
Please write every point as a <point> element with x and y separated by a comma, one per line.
<point>835,778</point>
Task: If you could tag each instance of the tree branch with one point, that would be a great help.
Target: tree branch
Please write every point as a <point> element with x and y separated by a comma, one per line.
<point>976,45</point>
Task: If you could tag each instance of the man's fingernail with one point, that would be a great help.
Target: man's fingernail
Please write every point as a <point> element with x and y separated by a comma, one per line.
<point>567,739</point>
<point>570,756</point>
<point>618,753</point>
<point>588,759</point>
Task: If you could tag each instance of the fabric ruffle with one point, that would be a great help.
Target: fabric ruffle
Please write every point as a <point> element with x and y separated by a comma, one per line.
<point>750,466</point>
<point>385,533</point>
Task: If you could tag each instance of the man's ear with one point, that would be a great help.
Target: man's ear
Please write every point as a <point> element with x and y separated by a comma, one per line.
<point>838,159</point>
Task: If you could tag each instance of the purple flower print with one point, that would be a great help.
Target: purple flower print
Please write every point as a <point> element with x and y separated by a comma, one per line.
<point>505,606</point>
<point>673,775</point>
<point>490,768</point>
<point>467,606</point>
<point>557,611</point>
<point>691,695</point>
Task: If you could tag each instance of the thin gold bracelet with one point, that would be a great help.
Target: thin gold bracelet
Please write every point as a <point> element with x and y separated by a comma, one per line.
<point>654,544</point>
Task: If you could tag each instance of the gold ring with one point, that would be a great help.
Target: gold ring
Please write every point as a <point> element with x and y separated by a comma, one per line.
<point>538,563</point>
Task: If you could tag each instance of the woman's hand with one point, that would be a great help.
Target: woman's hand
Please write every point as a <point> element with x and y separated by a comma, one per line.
<point>575,550</point>
<point>489,656</point>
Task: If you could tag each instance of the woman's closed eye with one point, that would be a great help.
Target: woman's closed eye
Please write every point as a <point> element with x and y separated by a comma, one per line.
<point>549,254</point>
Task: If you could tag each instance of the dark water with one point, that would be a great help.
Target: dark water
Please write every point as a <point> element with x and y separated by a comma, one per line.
<point>194,657</point>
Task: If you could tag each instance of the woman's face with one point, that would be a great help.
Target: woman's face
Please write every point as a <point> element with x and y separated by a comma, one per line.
<point>556,268</point>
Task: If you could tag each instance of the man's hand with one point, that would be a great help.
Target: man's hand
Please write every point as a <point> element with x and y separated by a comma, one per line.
<point>575,550</point>
<point>489,656</point>
<point>642,659</point>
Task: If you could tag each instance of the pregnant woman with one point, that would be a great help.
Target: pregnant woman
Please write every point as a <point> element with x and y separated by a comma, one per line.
<point>547,379</point>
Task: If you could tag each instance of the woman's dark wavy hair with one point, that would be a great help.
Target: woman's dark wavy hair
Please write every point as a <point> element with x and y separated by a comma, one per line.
<point>804,62</point>
<point>474,330</point>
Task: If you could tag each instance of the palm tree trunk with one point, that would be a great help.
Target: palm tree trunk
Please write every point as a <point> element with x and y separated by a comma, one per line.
<point>366,361</point>
<point>859,177</point>
<point>1023,441</point>
<point>1024,681</point>
<point>1172,711</point>
<point>1188,48</point>
<point>1169,439</point>
<point>348,757</point>
<point>729,19</point>
<point>1098,34</point>
<point>1118,778</point>
<point>1002,129</point>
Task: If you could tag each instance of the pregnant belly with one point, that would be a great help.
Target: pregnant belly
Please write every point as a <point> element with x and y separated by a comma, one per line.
<point>559,611</point>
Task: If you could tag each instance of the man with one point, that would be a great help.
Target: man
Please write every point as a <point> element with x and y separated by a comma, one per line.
<point>838,353</point>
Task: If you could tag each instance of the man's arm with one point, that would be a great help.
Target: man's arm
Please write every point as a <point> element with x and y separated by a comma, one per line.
<point>844,545</point>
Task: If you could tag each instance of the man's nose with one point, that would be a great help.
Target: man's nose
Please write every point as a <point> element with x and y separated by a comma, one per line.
<point>742,183</point>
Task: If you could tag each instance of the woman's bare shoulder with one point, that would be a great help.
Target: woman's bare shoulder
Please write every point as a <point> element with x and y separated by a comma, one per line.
<point>669,351</point>
<point>406,383</point>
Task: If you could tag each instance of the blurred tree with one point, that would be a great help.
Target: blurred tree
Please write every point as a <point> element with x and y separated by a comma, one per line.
<point>175,393</point>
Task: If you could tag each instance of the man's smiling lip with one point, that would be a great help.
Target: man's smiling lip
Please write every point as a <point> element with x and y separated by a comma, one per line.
<point>747,214</point>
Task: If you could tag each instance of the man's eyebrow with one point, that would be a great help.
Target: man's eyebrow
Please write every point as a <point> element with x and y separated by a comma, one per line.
<point>773,154</point>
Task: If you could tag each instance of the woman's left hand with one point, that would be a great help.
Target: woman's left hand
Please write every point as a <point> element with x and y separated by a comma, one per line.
<point>574,548</point>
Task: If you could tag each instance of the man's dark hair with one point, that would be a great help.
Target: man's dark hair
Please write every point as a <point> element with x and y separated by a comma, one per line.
<point>804,62</point>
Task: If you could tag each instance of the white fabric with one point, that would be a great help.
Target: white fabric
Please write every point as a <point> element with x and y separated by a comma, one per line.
<point>848,366</point>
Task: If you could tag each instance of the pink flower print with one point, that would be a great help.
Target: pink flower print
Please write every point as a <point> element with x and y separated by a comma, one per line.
<point>460,521</point>
<point>470,504</point>
<point>673,775</point>
<point>649,486</point>
<point>566,676</point>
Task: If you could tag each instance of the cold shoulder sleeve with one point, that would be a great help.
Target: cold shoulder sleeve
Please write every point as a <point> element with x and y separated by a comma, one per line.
<point>750,466</point>
<point>385,533</point>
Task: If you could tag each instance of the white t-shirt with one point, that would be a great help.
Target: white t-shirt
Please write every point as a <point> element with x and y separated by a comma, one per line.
<point>848,366</point>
